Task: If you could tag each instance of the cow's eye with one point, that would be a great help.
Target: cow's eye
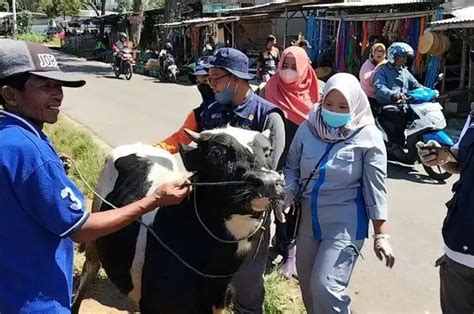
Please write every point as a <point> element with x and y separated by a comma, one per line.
<point>217,152</point>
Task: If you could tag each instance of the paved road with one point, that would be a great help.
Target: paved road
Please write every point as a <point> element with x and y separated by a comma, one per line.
<point>142,109</point>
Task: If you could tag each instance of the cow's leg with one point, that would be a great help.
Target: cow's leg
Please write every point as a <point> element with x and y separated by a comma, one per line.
<point>89,273</point>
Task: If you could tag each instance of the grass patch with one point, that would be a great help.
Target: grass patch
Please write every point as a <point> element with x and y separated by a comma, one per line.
<point>32,37</point>
<point>78,144</point>
<point>282,295</point>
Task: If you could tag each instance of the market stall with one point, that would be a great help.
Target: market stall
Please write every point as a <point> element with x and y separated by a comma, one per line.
<point>339,32</point>
<point>460,26</point>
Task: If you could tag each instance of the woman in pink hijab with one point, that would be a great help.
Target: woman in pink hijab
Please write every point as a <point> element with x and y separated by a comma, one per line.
<point>294,89</point>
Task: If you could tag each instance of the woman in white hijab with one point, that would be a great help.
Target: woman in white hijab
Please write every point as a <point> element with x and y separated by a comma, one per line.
<point>337,163</point>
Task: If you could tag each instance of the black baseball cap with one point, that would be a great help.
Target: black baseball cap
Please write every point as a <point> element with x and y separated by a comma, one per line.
<point>18,57</point>
<point>232,60</point>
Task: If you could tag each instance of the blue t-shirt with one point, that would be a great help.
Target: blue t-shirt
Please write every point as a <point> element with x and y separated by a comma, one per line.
<point>39,209</point>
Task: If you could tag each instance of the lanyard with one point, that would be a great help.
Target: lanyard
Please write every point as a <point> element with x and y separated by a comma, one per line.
<point>28,124</point>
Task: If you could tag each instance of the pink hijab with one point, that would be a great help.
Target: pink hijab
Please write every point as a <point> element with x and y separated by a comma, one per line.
<point>296,99</point>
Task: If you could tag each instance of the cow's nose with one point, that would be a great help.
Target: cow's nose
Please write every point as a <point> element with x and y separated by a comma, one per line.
<point>269,181</point>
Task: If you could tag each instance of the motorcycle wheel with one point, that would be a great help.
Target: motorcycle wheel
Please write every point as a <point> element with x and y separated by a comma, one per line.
<point>437,173</point>
<point>128,72</point>
<point>117,71</point>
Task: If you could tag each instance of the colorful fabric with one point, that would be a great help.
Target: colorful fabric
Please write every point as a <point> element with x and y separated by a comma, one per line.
<point>294,99</point>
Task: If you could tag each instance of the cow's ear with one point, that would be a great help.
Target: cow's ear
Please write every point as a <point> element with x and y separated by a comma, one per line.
<point>266,133</point>
<point>194,136</point>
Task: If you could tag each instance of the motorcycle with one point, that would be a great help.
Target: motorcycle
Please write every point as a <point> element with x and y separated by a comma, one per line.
<point>168,67</point>
<point>427,123</point>
<point>125,64</point>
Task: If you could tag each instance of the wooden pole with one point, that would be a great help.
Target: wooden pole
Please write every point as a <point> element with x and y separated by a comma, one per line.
<point>233,35</point>
<point>462,76</point>
<point>286,28</point>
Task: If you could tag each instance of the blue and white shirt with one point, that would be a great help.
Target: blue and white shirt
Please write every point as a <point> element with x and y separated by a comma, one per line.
<point>39,209</point>
<point>348,189</point>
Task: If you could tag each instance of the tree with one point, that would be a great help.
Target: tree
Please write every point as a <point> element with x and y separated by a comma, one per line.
<point>97,5</point>
<point>4,6</point>
<point>155,4</point>
<point>55,8</point>
<point>24,22</point>
<point>137,21</point>
<point>124,6</point>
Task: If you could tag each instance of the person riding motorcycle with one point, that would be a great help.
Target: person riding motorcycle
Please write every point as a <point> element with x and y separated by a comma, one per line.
<point>166,57</point>
<point>121,44</point>
<point>392,83</point>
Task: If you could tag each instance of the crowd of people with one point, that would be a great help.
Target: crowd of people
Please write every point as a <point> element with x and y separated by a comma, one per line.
<point>325,141</point>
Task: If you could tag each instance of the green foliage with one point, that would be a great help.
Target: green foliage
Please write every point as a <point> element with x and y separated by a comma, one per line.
<point>56,8</point>
<point>75,142</point>
<point>155,4</point>
<point>24,22</point>
<point>4,6</point>
<point>33,37</point>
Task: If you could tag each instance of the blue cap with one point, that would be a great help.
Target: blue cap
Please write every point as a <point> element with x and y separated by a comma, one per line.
<point>199,70</point>
<point>232,60</point>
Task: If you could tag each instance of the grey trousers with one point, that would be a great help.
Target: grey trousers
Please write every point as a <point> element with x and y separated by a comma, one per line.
<point>324,269</point>
<point>248,283</point>
<point>456,287</point>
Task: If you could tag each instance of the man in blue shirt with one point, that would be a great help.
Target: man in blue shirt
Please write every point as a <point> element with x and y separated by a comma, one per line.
<point>41,211</point>
<point>392,83</point>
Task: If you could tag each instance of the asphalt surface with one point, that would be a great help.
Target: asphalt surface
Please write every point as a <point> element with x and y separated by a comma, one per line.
<point>124,112</point>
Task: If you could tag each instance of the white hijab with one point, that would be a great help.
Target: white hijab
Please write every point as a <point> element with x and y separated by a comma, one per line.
<point>357,101</point>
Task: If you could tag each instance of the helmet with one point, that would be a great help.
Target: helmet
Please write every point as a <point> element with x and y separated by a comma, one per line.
<point>123,36</point>
<point>399,49</point>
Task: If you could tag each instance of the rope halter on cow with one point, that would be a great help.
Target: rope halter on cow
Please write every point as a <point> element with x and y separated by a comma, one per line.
<point>169,249</point>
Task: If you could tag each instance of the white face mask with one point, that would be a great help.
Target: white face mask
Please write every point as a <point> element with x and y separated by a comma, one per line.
<point>289,76</point>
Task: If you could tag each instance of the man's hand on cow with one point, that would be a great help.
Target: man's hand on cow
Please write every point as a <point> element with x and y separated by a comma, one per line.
<point>66,160</point>
<point>172,193</point>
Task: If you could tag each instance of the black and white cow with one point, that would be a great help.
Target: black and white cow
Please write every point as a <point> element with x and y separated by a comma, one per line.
<point>148,273</point>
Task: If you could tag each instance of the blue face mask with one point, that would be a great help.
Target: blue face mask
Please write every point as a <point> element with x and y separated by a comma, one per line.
<point>335,119</point>
<point>226,96</point>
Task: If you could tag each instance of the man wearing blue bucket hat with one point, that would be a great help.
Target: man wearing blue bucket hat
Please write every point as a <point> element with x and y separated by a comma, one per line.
<point>236,104</point>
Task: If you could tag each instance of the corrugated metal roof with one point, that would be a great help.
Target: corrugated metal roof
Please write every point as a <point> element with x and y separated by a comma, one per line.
<point>253,8</point>
<point>364,3</point>
<point>204,20</point>
<point>462,18</point>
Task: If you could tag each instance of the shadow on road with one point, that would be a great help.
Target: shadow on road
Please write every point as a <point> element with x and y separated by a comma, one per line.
<point>87,68</point>
<point>409,173</point>
<point>104,292</point>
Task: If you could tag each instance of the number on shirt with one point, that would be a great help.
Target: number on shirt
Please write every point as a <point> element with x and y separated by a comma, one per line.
<point>76,202</point>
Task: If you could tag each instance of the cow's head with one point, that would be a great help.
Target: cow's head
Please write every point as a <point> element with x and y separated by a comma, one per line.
<point>233,154</point>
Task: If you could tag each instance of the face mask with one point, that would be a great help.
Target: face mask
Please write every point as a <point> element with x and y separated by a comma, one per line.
<point>226,96</point>
<point>205,90</point>
<point>289,76</point>
<point>335,119</point>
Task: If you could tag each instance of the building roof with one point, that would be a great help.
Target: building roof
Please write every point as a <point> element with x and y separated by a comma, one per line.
<point>201,21</point>
<point>363,3</point>
<point>463,18</point>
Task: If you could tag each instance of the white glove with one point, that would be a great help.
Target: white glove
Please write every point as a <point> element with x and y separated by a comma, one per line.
<point>383,249</point>
<point>432,157</point>
<point>280,212</point>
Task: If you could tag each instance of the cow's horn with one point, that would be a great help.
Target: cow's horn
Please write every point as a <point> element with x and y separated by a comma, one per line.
<point>194,136</point>
<point>266,133</point>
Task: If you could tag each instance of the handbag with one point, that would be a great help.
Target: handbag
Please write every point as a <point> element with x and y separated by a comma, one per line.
<point>293,217</point>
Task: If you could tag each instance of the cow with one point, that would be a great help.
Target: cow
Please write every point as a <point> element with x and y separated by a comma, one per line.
<point>182,258</point>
